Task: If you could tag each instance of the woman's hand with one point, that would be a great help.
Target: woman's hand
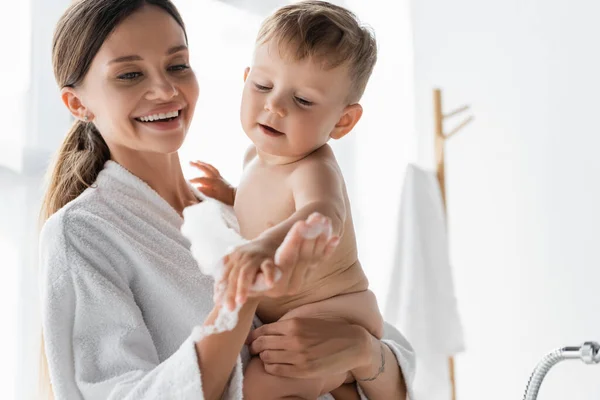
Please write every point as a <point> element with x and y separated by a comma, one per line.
<point>306,245</point>
<point>243,269</point>
<point>311,348</point>
<point>212,184</point>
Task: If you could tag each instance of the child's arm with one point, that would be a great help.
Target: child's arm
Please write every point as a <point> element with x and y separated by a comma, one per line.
<point>317,186</point>
<point>245,263</point>
<point>318,190</point>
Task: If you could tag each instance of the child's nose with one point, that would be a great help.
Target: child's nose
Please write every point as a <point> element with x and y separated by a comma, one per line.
<point>274,106</point>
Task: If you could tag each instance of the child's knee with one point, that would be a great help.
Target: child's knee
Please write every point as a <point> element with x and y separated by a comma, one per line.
<point>260,385</point>
<point>253,379</point>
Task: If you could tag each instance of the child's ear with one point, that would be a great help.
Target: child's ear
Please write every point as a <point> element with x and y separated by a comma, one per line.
<point>246,72</point>
<point>351,115</point>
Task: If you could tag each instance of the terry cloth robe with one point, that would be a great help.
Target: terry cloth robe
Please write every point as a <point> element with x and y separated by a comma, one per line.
<point>121,295</point>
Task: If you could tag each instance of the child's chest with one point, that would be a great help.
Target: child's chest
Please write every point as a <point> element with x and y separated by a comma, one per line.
<point>263,199</point>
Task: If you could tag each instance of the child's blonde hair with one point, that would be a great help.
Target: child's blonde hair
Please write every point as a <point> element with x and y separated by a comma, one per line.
<point>326,32</point>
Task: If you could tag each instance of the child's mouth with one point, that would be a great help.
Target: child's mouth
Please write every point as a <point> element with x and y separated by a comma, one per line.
<point>270,131</point>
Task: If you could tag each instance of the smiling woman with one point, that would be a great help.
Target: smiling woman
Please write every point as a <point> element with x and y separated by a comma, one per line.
<point>109,90</point>
<point>156,80</point>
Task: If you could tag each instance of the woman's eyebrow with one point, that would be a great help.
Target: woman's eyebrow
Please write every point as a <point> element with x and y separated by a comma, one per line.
<point>135,57</point>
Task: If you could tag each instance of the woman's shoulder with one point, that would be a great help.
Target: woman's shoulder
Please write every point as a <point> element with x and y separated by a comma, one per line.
<point>72,215</point>
<point>77,228</point>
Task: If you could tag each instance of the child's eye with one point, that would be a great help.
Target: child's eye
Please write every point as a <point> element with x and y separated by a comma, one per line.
<point>129,76</point>
<point>261,87</point>
<point>179,68</point>
<point>303,102</point>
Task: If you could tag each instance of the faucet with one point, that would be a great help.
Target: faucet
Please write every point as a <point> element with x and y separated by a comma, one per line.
<point>589,353</point>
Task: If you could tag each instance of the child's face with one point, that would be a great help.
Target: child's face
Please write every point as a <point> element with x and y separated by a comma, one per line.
<point>290,108</point>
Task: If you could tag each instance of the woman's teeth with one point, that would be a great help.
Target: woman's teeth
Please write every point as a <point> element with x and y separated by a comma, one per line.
<point>159,117</point>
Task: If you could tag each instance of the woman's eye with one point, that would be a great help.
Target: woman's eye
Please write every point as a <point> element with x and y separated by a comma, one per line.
<point>261,87</point>
<point>129,76</point>
<point>304,102</point>
<point>179,68</point>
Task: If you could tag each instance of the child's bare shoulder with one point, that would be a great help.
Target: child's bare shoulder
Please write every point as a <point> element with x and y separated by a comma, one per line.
<point>320,163</point>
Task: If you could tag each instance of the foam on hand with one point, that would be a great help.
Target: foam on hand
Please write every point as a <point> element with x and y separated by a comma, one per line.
<point>212,229</point>
<point>310,231</point>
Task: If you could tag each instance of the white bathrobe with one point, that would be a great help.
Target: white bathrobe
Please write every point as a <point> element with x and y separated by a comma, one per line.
<point>121,295</point>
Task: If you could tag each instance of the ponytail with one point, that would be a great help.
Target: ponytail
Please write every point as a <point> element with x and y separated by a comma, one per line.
<point>79,161</point>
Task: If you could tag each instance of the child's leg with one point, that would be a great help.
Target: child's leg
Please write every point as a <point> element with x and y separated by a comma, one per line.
<point>260,385</point>
<point>346,392</point>
<point>357,308</point>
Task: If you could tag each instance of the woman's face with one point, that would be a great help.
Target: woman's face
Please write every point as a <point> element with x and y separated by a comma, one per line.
<point>140,91</point>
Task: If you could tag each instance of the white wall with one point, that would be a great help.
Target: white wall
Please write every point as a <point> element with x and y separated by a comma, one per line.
<point>29,95</point>
<point>15,26</point>
<point>48,119</point>
<point>45,122</point>
<point>523,183</point>
<point>383,141</point>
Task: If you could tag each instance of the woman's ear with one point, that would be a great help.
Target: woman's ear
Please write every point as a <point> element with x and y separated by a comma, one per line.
<point>351,115</point>
<point>73,102</point>
<point>246,72</point>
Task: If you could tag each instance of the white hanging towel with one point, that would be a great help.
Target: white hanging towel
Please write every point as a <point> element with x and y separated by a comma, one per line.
<point>421,300</point>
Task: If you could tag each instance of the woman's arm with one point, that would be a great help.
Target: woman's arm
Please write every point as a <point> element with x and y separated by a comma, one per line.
<point>217,354</point>
<point>96,340</point>
<point>379,374</point>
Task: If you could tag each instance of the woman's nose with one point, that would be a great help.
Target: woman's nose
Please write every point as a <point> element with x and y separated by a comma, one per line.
<point>162,89</point>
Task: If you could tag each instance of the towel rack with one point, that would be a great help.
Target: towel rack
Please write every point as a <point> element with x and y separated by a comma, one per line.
<point>440,141</point>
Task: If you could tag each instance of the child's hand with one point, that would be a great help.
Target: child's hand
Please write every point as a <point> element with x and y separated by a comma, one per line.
<point>213,184</point>
<point>242,268</point>
<point>308,244</point>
